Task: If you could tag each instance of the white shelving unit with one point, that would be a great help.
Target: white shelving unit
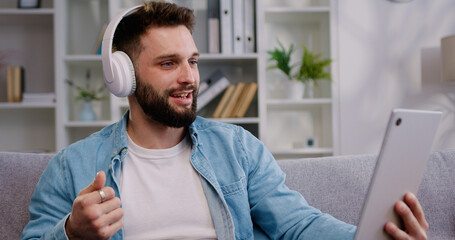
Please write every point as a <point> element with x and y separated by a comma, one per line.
<point>74,58</point>
<point>27,39</point>
<point>287,124</point>
<point>74,25</point>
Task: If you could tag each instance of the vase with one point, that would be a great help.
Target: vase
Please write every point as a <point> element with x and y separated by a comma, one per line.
<point>295,89</point>
<point>309,89</point>
<point>87,113</point>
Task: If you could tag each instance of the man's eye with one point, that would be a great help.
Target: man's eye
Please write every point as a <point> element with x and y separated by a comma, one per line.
<point>194,62</point>
<point>166,64</point>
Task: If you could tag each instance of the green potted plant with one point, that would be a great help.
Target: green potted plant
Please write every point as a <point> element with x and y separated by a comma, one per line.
<point>282,59</point>
<point>88,95</point>
<point>311,69</point>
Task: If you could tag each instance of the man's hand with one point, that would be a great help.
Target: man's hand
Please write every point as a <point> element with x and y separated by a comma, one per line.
<point>92,218</point>
<point>413,218</point>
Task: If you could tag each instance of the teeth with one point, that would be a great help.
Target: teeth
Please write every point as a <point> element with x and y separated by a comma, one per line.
<point>184,95</point>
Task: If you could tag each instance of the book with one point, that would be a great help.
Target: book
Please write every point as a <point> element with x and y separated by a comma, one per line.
<point>223,102</point>
<point>239,100</point>
<point>213,29</point>
<point>226,34</point>
<point>99,40</point>
<point>230,106</point>
<point>245,102</point>
<point>18,85</point>
<point>238,26</point>
<point>10,83</point>
<point>14,83</point>
<point>249,17</point>
<point>210,88</point>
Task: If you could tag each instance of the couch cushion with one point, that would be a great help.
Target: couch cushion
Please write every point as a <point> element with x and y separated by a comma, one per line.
<point>335,185</point>
<point>437,195</point>
<point>338,185</point>
<point>19,174</point>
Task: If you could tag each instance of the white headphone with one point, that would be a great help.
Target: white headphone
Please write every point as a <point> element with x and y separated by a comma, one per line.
<point>117,67</point>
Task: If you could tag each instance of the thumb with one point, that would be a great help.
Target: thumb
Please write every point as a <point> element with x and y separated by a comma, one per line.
<point>97,184</point>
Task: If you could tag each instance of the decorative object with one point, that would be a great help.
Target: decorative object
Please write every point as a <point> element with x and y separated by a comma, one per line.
<point>308,91</point>
<point>448,58</point>
<point>311,142</point>
<point>295,89</point>
<point>282,58</point>
<point>88,94</point>
<point>28,3</point>
<point>311,69</point>
<point>87,113</point>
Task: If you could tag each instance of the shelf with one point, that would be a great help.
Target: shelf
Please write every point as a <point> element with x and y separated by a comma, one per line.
<point>211,56</point>
<point>82,58</point>
<point>81,124</point>
<point>237,120</point>
<point>287,10</point>
<point>35,11</point>
<point>291,105</point>
<point>287,102</point>
<point>22,105</point>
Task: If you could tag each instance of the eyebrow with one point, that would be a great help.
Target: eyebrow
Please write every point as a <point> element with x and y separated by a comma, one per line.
<point>195,54</point>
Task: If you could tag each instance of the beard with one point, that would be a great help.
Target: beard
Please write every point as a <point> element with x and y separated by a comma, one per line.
<point>157,107</point>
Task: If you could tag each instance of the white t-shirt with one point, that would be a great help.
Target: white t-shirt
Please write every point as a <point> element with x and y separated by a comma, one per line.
<point>162,195</point>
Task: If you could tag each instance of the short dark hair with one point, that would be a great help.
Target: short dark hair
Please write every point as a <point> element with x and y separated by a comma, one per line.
<point>151,14</point>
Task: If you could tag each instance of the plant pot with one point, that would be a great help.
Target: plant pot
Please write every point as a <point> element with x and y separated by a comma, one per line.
<point>87,113</point>
<point>294,89</point>
<point>309,89</point>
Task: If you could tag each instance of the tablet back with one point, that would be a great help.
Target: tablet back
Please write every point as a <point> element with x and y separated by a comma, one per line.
<point>399,169</point>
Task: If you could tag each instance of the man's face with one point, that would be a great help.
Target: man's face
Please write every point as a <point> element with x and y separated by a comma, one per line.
<point>167,76</point>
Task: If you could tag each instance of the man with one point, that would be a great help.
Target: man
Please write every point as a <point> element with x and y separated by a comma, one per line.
<point>163,173</point>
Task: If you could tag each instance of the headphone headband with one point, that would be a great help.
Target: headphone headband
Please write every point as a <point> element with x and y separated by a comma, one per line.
<point>118,79</point>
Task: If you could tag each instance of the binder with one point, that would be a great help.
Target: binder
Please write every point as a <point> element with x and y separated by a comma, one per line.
<point>226,34</point>
<point>249,18</point>
<point>213,24</point>
<point>238,26</point>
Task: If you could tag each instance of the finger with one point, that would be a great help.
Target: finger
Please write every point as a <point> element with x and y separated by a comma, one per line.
<point>410,222</point>
<point>109,230</point>
<point>95,197</point>
<point>413,203</point>
<point>394,231</point>
<point>112,217</point>
<point>110,205</point>
<point>109,224</point>
<point>97,184</point>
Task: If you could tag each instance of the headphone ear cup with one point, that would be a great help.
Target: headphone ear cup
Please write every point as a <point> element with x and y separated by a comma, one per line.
<point>123,83</point>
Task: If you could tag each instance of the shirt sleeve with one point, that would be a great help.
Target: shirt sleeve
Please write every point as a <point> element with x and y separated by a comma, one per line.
<point>50,205</point>
<point>279,212</point>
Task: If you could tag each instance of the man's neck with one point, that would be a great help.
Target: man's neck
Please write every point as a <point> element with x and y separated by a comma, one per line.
<point>150,134</point>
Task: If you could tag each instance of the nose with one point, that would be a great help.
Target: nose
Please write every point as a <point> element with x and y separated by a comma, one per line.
<point>188,74</point>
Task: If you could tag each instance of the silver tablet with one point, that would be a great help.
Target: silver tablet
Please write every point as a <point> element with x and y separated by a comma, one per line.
<point>399,169</point>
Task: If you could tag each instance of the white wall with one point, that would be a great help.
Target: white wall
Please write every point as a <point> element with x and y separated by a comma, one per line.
<point>382,48</point>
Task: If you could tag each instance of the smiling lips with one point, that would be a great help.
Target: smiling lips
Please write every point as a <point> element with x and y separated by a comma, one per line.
<point>184,98</point>
<point>181,95</point>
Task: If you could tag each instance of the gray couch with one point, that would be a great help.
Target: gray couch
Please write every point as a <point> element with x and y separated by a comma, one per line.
<point>336,185</point>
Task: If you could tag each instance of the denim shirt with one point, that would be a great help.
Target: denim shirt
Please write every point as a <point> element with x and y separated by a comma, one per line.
<point>243,184</point>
